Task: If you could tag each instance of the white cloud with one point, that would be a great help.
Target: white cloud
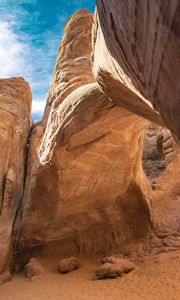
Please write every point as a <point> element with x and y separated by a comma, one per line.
<point>13,52</point>
<point>38,107</point>
<point>30,54</point>
<point>19,57</point>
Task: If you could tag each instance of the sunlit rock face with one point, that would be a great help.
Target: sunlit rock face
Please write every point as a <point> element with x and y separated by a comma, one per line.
<point>15,122</point>
<point>136,57</point>
<point>86,191</point>
<point>73,66</point>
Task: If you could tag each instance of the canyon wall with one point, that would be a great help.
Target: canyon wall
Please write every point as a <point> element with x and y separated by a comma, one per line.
<point>82,188</point>
<point>15,122</point>
<point>86,188</point>
<point>136,57</point>
<point>136,64</point>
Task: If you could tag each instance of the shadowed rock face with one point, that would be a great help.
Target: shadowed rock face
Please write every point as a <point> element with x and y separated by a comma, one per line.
<point>15,121</point>
<point>154,163</point>
<point>166,208</point>
<point>87,186</point>
<point>136,57</point>
<point>136,63</point>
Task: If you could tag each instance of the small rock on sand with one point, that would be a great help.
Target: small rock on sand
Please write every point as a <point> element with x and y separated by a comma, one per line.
<point>114,267</point>
<point>33,268</point>
<point>68,264</point>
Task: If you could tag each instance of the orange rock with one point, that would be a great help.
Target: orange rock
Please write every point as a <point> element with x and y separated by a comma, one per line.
<point>87,178</point>
<point>33,268</point>
<point>136,57</point>
<point>15,122</point>
<point>68,264</point>
<point>114,267</point>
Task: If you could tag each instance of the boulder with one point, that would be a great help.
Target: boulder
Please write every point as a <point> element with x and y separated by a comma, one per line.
<point>68,264</point>
<point>114,268</point>
<point>33,268</point>
<point>112,259</point>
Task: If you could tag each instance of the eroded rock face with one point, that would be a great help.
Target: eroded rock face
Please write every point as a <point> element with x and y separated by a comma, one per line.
<point>136,57</point>
<point>85,153</point>
<point>73,65</point>
<point>135,45</point>
<point>166,208</point>
<point>154,163</point>
<point>87,191</point>
<point>15,122</point>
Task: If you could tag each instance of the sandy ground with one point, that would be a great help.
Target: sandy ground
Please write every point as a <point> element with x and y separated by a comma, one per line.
<point>157,277</point>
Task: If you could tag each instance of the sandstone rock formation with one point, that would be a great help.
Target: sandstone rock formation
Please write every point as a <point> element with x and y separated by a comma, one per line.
<point>87,178</point>
<point>15,122</point>
<point>85,189</point>
<point>135,45</point>
<point>154,163</point>
<point>136,57</point>
<point>165,203</point>
<point>73,65</point>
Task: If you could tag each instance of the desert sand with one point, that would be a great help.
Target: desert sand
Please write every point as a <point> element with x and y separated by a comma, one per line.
<point>154,278</point>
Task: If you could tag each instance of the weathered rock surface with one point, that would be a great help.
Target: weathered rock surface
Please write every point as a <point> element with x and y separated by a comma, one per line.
<point>92,184</point>
<point>33,268</point>
<point>135,45</point>
<point>67,265</point>
<point>136,57</point>
<point>167,146</point>
<point>87,178</point>
<point>154,163</point>
<point>86,191</point>
<point>114,268</point>
<point>165,200</point>
<point>73,66</point>
<point>15,122</point>
<point>112,258</point>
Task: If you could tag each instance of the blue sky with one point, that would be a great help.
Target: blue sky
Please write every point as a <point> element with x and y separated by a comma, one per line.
<point>30,35</point>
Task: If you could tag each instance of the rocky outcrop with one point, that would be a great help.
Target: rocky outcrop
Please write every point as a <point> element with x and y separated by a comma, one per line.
<point>15,122</point>
<point>136,57</point>
<point>95,178</point>
<point>165,203</point>
<point>135,45</point>
<point>87,191</point>
<point>73,66</point>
